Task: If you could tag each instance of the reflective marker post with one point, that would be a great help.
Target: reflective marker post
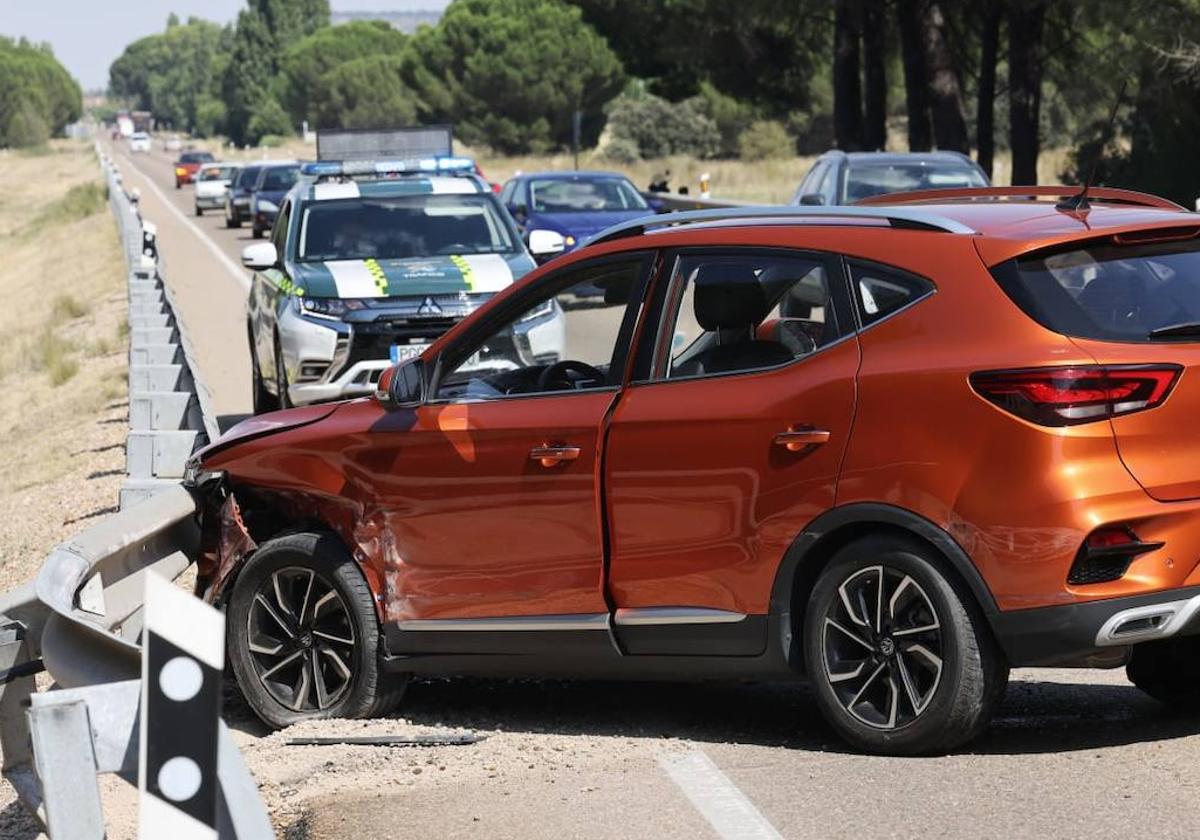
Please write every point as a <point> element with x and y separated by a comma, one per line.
<point>182,664</point>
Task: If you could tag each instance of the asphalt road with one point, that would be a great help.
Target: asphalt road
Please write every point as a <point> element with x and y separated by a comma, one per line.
<point>1071,753</point>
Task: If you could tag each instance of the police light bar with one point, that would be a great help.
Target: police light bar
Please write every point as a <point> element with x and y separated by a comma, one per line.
<point>351,168</point>
<point>417,167</point>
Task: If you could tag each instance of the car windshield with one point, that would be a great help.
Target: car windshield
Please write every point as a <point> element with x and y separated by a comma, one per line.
<point>248,177</point>
<point>866,180</point>
<point>196,157</point>
<point>280,178</point>
<point>1109,292</point>
<point>402,227</point>
<point>216,173</point>
<point>570,195</point>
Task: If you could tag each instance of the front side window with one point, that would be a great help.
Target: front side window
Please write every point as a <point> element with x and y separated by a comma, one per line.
<point>248,176</point>
<point>1111,292</point>
<point>565,195</point>
<point>734,313</point>
<point>403,227</point>
<point>570,338</point>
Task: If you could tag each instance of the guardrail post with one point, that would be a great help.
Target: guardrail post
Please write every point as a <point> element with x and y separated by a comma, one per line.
<point>66,764</point>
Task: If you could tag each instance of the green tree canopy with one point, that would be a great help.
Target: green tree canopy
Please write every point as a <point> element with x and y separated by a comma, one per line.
<point>510,73</point>
<point>305,66</point>
<point>175,74</point>
<point>38,97</point>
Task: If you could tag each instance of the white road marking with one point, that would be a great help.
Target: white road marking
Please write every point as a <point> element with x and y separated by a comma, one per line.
<point>235,271</point>
<point>731,814</point>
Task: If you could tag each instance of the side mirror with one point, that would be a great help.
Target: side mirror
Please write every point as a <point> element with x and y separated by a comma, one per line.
<point>811,199</point>
<point>402,385</point>
<point>546,243</point>
<point>259,256</point>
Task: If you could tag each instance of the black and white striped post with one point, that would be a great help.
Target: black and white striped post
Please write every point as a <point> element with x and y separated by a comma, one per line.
<point>182,661</point>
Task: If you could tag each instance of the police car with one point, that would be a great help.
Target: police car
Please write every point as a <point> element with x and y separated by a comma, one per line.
<point>369,262</point>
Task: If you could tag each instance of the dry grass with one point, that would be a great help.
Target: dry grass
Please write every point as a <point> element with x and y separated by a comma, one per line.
<point>767,181</point>
<point>62,275</point>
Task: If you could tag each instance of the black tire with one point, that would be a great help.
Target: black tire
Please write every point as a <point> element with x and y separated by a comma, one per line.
<point>262,400</point>
<point>1168,670</point>
<point>921,678</point>
<point>281,380</point>
<point>178,185</point>
<point>199,212</point>
<point>232,221</point>
<point>257,232</point>
<point>275,577</point>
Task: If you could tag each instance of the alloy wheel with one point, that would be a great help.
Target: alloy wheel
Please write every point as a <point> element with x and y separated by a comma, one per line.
<point>301,640</point>
<point>882,647</point>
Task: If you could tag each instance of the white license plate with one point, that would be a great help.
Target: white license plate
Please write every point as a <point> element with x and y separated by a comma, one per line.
<point>404,352</point>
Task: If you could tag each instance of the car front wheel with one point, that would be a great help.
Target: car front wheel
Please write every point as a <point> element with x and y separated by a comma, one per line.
<point>901,661</point>
<point>303,634</point>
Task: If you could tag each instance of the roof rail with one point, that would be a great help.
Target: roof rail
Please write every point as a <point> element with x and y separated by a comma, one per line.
<point>1109,195</point>
<point>901,217</point>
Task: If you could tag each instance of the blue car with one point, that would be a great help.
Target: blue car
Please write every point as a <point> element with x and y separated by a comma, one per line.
<point>274,181</point>
<point>574,205</point>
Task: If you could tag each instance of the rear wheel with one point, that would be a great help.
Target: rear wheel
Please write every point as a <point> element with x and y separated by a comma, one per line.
<point>231,220</point>
<point>199,211</point>
<point>1168,670</point>
<point>303,634</point>
<point>256,232</point>
<point>901,662</point>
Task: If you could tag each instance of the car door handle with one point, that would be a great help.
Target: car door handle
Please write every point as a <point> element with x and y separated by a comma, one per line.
<point>548,456</point>
<point>796,439</point>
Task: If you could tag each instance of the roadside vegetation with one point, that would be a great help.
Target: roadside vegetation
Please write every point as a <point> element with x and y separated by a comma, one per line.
<point>1001,80</point>
<point>62,361</point>
<point>37,95</point>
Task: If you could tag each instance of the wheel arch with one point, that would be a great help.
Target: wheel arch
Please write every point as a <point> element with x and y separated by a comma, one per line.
<point>812,549</point>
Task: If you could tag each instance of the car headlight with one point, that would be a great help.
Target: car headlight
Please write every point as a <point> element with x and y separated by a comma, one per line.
<point>330,307</point>
<point>267,206</point>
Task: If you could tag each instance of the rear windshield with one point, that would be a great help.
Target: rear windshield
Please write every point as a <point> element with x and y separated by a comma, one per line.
<point>279,178</point>
<point>248,176</point>
<point>866,180</point>
<point>217,173</point>
<point>196,157</point>
<point>1110,292</point>
<point>403,227</point>
<point>569,195</point>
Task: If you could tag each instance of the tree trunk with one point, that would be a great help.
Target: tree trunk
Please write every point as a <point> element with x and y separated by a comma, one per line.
<point>1026,19</point>
<point>946,100</point>
<point>847,88</point>
<point>985,113</point>
<point>874,75</point>
<point>916,84</point>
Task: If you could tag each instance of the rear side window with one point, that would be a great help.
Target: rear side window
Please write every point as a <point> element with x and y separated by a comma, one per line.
<point>1110,292</point>
<point>878,292</point>
<point>729,314</point>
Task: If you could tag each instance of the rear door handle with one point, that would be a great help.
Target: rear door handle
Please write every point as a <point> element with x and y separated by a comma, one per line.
<point>796,439</point>
<point>549,456</point>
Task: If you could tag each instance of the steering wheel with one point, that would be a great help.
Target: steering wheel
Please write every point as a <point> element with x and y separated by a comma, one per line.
<point>556,373</point>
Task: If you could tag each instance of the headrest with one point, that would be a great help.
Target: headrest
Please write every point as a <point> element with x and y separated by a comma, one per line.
<point>728,296</point>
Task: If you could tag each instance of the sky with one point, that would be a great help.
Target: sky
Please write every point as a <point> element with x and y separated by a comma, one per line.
<point>88,34</point>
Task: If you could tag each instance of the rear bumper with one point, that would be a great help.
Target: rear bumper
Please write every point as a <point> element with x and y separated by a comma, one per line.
<point>210,202</point>
<point>1091,631</point>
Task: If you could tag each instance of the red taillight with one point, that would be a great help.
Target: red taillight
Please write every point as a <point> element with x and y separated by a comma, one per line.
<point>1110,536</point>
<point>1073,395</point>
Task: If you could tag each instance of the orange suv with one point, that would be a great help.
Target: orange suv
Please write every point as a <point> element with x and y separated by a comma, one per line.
<point>895,449</point>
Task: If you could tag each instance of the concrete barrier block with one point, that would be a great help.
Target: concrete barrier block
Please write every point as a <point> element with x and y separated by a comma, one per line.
<point>170,411</point>
<point>135,490</point>
<point>160,454</point>
<point>156,354</point>
<point>153,335</point>
<point>175,377</point>
<point>150,321</point>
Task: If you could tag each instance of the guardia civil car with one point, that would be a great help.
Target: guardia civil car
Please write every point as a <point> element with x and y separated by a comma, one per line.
<point>368,263</point>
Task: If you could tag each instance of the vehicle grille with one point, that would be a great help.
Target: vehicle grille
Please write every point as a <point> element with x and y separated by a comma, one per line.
<point>372,341</point>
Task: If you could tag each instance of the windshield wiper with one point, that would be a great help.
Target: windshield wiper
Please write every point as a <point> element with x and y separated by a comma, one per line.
<point>1184,330</point>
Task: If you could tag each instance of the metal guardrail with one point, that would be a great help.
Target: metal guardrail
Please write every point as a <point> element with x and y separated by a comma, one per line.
<point>670,202</point>
<point>170,407</point>
<point>82,619</point>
